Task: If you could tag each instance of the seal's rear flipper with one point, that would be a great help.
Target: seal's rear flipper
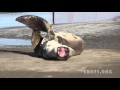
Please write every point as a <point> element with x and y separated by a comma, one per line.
<point>35,23</point>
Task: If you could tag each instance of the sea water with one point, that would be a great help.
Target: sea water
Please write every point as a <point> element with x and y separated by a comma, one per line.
<point>6,41</point>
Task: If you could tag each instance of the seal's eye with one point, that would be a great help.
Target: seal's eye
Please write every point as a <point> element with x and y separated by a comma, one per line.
<point>63,52</point>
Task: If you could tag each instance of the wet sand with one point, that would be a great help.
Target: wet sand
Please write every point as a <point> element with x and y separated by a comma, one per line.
<point>101,53</point>
<point>22,62</point>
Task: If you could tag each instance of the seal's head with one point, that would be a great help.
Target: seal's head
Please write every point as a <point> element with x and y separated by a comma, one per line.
<point>63,53</point>
<point>53,49</point>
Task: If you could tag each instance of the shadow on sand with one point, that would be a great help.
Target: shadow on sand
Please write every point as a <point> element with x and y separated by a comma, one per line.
<point>31,54</point>
<point>21,52</point>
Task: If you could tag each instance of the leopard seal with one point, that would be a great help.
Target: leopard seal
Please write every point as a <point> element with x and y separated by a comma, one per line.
<point>60,45</point>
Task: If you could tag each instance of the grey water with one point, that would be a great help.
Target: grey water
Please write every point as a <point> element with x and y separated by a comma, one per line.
<point>6,41</point>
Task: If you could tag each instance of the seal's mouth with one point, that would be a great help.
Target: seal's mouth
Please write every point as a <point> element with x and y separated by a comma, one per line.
<point>62,52</point>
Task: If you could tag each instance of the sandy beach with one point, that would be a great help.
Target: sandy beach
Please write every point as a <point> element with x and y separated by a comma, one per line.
<point>101,53</point>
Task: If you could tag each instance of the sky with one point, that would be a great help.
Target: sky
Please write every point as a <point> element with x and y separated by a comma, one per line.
<point>8,19</point>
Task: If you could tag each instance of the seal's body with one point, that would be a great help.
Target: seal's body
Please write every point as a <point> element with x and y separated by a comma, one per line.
<point>61,45</point>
